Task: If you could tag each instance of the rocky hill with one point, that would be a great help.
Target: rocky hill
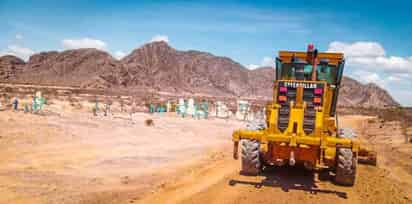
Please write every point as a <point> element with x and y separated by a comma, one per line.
<point>159,67</point>
<point>10,67</point>
<point>354,93</point>
<point>81,67</point>
<point>261,81</point>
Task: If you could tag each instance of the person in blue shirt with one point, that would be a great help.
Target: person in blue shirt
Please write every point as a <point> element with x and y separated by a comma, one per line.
<point>15,104</point>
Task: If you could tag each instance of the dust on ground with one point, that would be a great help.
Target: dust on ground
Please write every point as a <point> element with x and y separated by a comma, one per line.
<point>77,158</point>
<point>220,182</point>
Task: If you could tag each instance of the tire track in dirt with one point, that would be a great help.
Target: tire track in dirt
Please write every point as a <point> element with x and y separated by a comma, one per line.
<point>220,182</point>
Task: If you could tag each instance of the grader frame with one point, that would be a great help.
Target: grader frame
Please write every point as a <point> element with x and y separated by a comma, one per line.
<point>301,122</point>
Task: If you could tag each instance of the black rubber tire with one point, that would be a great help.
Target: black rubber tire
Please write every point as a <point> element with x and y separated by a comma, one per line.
<point>346,161</point>
<point>250,151</point>
<point>345,167</point>
<point>250,155</point>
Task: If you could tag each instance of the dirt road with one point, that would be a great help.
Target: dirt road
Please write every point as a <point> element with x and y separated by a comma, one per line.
<point>220,182</point>
<point>75,157</point>
<point>78,158</point>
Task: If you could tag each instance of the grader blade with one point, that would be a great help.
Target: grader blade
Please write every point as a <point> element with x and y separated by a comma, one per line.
<point>367,156</point>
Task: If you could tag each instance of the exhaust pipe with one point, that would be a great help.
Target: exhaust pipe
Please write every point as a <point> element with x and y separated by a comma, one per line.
<point>292,161</point>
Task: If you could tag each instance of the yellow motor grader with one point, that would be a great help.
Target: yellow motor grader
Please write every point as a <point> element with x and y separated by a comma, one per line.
<point>301,125</point>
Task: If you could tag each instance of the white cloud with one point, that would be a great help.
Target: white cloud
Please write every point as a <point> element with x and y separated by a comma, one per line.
<point>371,64</point>
<point>369,77</point>
<point>159,38</point>
<point>394,78</point>
<point>16,50</point>
<point>397,84</point>
<point>119,54</point>
<point>252,66</point>
<point>84,43</point>
<point>372,56</point>
<point>19,36</point>
<point>266,62</point>
<point>403,76</point>
<point>358,49</point>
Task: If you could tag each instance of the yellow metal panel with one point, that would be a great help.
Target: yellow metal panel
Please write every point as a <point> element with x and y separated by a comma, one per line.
<point>279,151</point>
<point>330,153</point>
<point>273,121</point>
<point>306,140</point>
<point>296,117</point>
<point>319,123</point>
<point>334,58</point>
<point>299,97</point>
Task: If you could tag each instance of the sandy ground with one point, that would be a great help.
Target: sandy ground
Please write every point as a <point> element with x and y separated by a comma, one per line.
<point>220,182</point>
<point>78,158</point>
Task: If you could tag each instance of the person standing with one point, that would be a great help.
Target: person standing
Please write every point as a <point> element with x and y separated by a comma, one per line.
<point>15,104</point>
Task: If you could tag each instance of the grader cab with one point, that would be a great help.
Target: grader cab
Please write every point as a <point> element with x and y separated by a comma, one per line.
<point>301,122</point>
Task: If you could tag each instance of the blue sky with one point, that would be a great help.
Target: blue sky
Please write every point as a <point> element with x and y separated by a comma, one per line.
<point>375,35</point>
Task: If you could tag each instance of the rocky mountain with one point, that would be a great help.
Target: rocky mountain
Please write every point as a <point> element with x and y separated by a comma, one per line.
<point>261,81</point>
<point>354,93</point>
<point>81,67</point>
<point>10,67</point>
<point>159,67</point>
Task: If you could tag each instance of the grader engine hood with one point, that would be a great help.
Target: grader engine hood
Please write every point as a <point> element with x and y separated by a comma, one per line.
<point>312,92</point>
<point>308,96</point>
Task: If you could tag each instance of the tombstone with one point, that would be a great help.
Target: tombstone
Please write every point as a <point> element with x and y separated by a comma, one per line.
<point>221,110</point>
<point>191,107</point>
<point>34,105</point>
<point>181,107</point>
<point>242,110</point>
<point>205,109</point>
<point>168,106</point>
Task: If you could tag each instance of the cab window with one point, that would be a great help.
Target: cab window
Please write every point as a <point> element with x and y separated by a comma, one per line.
<point>300,71</point>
